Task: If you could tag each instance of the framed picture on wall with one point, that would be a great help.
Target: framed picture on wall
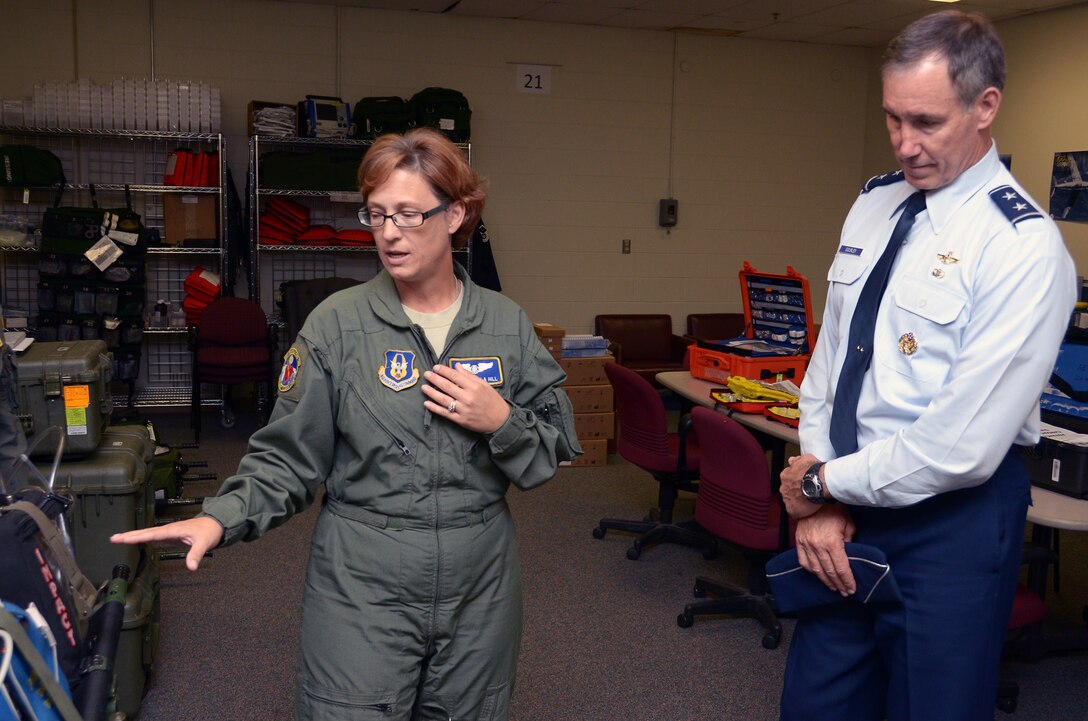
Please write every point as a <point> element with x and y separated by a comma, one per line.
<point>1068,183</point>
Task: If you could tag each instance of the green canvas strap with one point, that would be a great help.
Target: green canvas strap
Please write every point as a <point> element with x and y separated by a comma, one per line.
<point>57,696</point>
<point>84,593</point>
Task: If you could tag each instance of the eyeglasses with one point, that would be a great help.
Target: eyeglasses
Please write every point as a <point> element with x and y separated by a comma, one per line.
<point>401,219</point>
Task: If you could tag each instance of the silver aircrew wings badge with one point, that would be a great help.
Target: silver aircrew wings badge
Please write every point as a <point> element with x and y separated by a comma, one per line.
<point>487,368</point>
<point>399,371</point>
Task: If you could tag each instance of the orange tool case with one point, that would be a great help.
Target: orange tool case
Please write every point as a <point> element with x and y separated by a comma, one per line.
<point>778,333</point>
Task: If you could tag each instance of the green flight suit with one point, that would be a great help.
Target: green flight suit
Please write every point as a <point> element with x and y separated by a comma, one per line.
<point>412,605</point>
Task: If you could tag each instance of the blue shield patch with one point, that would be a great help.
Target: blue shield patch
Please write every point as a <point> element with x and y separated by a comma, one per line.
<point>486,368</point>
<point>399,371</point>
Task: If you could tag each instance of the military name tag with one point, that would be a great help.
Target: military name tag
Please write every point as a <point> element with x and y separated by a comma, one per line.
<point>486,368</point>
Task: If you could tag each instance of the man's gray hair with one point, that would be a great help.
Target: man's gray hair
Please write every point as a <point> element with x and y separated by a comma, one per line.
<point>976,58</point>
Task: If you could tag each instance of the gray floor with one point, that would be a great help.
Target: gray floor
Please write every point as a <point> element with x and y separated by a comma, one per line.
<point>601,639</point>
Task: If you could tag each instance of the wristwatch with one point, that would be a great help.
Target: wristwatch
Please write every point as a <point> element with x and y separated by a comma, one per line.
<point>812,487</point>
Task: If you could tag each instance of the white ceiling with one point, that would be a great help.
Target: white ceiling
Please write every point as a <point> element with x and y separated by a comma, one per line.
<point>866,23</point>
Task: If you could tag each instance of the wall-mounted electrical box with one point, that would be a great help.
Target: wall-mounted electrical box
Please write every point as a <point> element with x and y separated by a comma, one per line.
<point>667,210</point>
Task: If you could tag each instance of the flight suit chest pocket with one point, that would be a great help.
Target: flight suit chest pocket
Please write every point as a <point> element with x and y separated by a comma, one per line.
<point>920,339</point>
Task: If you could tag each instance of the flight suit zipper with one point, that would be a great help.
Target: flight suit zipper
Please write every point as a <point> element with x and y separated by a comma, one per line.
<point>380,707</point>
<point>404,449</point>
<point>421,340</point>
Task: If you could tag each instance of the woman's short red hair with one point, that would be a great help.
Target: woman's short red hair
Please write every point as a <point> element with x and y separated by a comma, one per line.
<point>439,161</point>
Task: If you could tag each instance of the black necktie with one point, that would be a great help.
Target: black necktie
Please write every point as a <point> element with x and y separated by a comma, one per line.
<point>844,425</point>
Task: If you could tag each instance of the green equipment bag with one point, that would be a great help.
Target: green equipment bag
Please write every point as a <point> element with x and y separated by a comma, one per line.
<point>71,230</point>
<point>325,169</point>
<point>378,115</point>
<point>27,166</point>
<point>445,110</point>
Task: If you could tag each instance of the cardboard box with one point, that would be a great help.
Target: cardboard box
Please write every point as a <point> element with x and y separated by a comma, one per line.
<point>547,330</point>
<point>594,453</point>
<point>595,426</point>
<point>585,371</point>
<point>190,219</point>
<point>590,399</point>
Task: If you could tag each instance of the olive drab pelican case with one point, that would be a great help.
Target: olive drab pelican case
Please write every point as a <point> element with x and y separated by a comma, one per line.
<point>139,642</point>
<point>65,384</point>
<point>778,334</point>
<point>111,489</point>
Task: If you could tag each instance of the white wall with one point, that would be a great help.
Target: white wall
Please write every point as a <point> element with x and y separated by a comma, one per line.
<point>767,141</point>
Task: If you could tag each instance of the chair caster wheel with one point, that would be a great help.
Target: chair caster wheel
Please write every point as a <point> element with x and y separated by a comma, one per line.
<point>598,532</point>
<point>226,418</point>
<point>770,640</point>
<point>633,553</point>
<point>698,591</point>
<point>684,620</point>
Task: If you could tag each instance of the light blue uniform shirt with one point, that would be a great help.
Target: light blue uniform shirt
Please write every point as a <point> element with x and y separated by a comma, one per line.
<point>965,340</point>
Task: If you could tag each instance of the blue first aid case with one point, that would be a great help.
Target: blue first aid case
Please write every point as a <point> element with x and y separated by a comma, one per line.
<point>322,116</point>
<point>1054,463</point>
<point>1065,400</point>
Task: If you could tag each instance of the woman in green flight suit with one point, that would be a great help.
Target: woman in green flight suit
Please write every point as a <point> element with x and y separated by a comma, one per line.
<point>416,398</point>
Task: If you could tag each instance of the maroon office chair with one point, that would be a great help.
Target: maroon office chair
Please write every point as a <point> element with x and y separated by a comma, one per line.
<point>1025,639</point>
<point>232,344</point>
<point>738,503</point>
<point>672,458</point>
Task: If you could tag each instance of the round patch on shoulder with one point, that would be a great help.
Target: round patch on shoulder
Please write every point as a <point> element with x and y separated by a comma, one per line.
<point>292,363</point>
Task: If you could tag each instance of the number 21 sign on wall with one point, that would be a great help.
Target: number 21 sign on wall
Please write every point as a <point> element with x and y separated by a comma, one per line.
<point>534,79</point>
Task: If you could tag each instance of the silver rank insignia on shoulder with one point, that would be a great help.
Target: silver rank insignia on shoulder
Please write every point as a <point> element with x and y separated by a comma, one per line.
<point>486,368</point>
<point>399,370</point>
<point>937,273</point>
<point>948,258</point>
<point>1013,205</point>
<point>907,344</point>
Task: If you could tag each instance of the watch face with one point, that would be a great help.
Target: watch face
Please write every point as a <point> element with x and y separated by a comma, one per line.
<point>810,486</point>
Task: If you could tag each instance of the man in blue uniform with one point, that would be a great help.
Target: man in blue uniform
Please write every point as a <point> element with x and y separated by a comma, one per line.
<point>919,394</point>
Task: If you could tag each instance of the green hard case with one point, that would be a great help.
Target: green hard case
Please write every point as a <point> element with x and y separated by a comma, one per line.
<point>65,384</point>
<point>112,492</point>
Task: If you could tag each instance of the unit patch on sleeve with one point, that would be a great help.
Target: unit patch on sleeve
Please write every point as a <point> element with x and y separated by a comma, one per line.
<point>292,363</point>
<point>486,368</point>
<point>399,370</point>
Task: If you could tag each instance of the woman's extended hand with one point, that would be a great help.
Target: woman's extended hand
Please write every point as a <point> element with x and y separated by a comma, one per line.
<point>465,399</point>
<point>201,534</point>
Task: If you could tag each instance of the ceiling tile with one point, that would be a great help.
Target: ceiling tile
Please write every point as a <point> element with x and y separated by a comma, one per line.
<point>650,20</point>
<point>837,22</point>
<point>789,31</point>
<point>587,14</point>
<point>496,8</point>
<point>861,13</point>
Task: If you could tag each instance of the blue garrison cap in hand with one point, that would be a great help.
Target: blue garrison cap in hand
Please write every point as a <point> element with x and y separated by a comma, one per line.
<point>794,588</point>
